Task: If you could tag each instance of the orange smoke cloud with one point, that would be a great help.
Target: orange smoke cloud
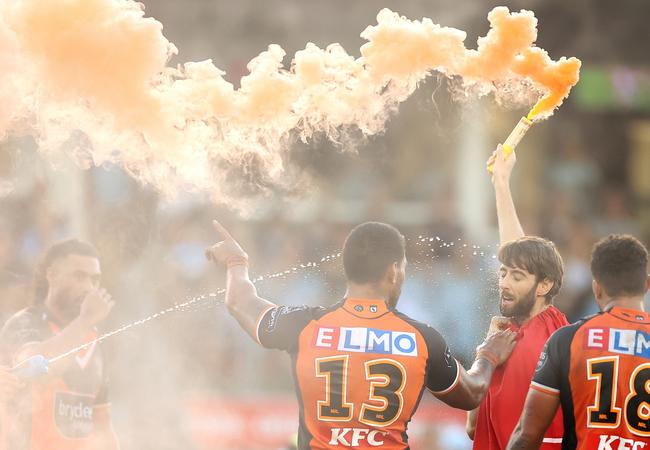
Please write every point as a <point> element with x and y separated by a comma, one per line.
<point>100,66</point>
<point>11,97</point>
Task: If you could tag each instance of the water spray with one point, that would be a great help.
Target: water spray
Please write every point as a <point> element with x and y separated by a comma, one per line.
<point>38,365</point>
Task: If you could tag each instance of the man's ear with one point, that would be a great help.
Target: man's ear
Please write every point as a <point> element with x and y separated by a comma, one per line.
<point>391,273</point>
<point>597,289</point>
<point>544,287</point>
<point>51,272</point>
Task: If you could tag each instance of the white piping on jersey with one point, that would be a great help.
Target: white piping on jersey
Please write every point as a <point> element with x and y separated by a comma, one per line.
<point>259,322</point>
<point>453,385</point>
<point>546,388</point>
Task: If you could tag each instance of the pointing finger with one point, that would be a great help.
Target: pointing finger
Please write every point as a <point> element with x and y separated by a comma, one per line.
<point>221,230</point>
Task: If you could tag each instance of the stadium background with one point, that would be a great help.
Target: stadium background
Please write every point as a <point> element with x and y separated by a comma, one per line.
<point>192,379</point>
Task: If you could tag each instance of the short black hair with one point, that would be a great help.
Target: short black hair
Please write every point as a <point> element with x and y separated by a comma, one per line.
<point>619,263</point>
<point>538,256</point>
<point>56,252</point>
<point>370,249</point>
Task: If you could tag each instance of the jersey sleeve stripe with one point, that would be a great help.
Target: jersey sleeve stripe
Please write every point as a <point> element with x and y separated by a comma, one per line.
<point>544,389</point>
<point>453,385</point>
<point>552,440</point>
<point>259,322</point>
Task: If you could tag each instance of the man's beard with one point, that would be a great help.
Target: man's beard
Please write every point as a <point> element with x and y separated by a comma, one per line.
<point>70,308</point>
<point>520,309</point>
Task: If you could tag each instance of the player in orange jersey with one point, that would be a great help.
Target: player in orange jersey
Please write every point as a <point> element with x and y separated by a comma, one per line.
<point>598,369</point>
<point>360,366</point>
<point>69,408</point>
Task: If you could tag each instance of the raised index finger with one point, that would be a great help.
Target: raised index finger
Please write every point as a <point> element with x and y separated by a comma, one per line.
<point>221,230</point>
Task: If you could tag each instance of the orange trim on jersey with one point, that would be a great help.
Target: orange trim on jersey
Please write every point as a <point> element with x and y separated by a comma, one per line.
<point>544,389</point>
<point>383,382</point>
<point>259,321</point>
<point>453,385</point>
<point>636,430</point>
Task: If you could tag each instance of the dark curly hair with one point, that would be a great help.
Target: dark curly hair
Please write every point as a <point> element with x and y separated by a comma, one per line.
<point>58,251</point>
<point>537,256</point>
<point>619,263</point>
<point>370,249</point>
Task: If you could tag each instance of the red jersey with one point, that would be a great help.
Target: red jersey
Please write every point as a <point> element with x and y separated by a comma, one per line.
<point>500,410</point>
<point>360,370</point>
<point>600,368</point>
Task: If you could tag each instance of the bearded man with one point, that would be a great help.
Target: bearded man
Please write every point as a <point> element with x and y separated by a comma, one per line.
<point>529,278</point>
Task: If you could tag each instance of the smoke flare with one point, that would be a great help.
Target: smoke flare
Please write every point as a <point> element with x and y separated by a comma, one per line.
<point>100,67</point>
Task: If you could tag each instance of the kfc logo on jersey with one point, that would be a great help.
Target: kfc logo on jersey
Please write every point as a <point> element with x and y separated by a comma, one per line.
<point>625,342</point>
<point>607,442</point>
<point>352,437</point>
<point>366,340</point>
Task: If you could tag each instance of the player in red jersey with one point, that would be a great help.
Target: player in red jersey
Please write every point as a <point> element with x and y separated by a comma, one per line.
<point>530,276</point>
<point>598,369</point>
<point>360,366</point>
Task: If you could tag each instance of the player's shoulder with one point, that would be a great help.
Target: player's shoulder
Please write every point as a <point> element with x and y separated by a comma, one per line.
<point>26,317</point>
<point>427,331</point>
<point>297,314</point>
<point>565,334</point>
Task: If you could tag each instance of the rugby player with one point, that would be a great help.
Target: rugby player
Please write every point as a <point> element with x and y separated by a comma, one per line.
<point>360,366</point>
<point>69,408</point>
<point>598,369</point>
<point>529,277</point>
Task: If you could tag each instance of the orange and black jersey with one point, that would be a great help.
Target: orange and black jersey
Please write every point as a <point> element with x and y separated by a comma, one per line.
<point>600,368</point>
<point>56,411</point>
<point>360,370</point>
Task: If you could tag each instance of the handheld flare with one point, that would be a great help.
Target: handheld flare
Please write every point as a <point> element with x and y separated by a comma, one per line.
<point>515,136</point>
<point>32,367</point>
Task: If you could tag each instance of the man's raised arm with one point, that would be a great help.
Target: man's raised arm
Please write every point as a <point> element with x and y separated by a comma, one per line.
<point>241,295</point>
<point>509,225</point>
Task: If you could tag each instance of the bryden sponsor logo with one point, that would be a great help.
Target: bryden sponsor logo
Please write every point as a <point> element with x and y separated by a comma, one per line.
<point>352,437</point>
<point>607,442</point>
<point>75,411</point>
<point>366,340</point>
<point>625,342</point>
<point>73,414</point>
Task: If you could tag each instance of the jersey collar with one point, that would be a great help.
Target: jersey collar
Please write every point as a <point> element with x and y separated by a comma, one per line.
<point>631,315</point>
<point>365,308</point>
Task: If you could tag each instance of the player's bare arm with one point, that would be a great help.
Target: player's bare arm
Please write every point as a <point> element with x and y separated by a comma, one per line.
<point>95,307</point>
<point>538,413</point>
<point>509,225</point>
<point>474,383</point>
<point>241,295</point>
<point>470,423</point>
